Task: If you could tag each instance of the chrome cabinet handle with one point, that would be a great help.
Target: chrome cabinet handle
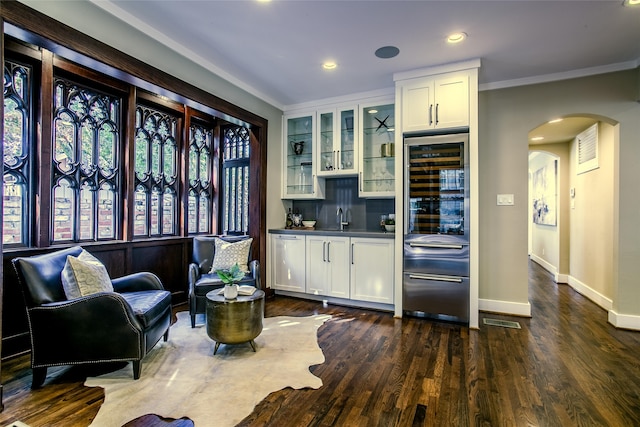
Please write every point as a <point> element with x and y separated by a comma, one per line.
<point>438,278</point>
<point>288,237</point>
<point>323,251</point>
<point>430,114</point>
<point>352,253</point>
<point>328,251</point>
<point>437,118</point>
<point>338,164</point>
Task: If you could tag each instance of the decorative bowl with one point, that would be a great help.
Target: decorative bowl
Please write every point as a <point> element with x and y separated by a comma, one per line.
<point>308,223</point>
<point>390,227</point>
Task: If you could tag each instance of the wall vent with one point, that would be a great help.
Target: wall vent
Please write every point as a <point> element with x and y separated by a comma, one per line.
<point>588,149</point>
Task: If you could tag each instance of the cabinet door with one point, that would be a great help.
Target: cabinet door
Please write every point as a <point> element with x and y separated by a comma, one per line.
<point>347,141</point>
<point>326,152</point>
<point>337,261</point>
<point>435,103</point>
<point>452,102</point>
<point>377,151</point>
<point>300,180</point>
<point>417,105</point>
<point>288,262</point>
<point>337,142</point>
<point>372,270</point>
<point>316,263</point>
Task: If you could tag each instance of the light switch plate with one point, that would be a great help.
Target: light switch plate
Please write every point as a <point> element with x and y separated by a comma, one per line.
<point>505,199</point>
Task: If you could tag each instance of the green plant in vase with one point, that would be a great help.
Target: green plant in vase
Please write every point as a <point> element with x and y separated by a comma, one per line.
<point>230,277</point>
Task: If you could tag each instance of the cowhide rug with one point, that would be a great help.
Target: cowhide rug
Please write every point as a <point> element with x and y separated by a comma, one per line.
<point>182,377</point>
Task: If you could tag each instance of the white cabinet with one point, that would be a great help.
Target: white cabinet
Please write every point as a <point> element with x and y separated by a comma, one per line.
<point>372,269</point>
<point>436,102</point>
<point>327,266</point>
<point>337,141</point>
<point>300,179</point>
<point>377,161</point>
<point>288,262</point>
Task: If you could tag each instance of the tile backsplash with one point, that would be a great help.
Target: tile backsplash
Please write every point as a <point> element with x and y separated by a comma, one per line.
<point>362,214</point>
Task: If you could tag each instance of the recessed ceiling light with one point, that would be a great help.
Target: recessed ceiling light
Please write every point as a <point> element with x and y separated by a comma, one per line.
<point>386,52</point>
<point>372,111</point>
<point>456,37</point>
<point>555,121</point>
<point>537,138</point>
<point>329,65</point>
<point>631,2</point>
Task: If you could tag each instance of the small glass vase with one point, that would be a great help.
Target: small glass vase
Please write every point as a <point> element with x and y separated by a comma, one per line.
<point>230,291</point>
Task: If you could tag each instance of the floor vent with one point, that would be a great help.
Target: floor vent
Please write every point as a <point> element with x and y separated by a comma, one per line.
<point>503,323</point>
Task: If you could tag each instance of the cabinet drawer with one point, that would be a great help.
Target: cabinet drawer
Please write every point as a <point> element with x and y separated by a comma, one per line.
<point>443,259</point>
<point>429,294</point>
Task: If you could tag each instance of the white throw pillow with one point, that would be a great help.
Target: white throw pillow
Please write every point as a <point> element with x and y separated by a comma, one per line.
<point>227,254</point>
<point>84,275</point>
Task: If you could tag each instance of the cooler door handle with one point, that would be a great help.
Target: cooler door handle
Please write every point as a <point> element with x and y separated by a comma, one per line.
<point>433,277</point>
<point>435,245</point>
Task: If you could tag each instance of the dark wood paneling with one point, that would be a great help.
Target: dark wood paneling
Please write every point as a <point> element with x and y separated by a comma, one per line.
<point>165,261</point>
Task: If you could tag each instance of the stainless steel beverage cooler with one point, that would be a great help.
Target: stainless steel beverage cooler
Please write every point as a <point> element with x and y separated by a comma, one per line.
<point>436,234</point>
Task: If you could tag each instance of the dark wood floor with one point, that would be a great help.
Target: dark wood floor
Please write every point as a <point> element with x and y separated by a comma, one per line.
<point>566,367</point>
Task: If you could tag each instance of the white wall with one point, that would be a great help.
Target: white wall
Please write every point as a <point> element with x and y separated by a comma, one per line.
<point>592,221</point>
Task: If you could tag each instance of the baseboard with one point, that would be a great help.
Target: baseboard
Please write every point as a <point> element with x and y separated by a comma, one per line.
<point>338,301</point>
<point>590,293</point>
<point>505,307</point>
<point>624,321</point>
<point>546,265</point>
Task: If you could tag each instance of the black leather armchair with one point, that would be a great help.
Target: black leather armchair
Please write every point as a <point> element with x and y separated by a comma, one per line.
<point>202,281</point>
<point>104,327</point>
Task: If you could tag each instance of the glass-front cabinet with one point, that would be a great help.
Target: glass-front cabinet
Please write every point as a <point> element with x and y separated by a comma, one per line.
<point>337,142</point>
<point>300,178</point>
<point>377,151</point>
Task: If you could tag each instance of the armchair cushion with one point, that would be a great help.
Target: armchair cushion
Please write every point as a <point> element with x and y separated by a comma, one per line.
<point>148,306</point>
<point>227,254</point>
<point>84,275</point>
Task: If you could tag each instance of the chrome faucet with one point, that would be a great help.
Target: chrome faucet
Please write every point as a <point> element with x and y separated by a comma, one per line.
<point>342,222</point>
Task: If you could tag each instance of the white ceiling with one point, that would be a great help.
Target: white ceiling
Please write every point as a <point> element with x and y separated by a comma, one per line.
<point>275,50</point>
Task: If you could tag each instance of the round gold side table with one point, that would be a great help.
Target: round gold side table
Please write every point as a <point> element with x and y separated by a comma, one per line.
<point>234,321</point>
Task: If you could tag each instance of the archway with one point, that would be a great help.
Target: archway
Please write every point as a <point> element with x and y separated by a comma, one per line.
<point>578,248</point>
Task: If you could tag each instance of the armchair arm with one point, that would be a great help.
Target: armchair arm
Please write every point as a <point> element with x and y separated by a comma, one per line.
<point>194,275</point>
<point>143,281</point>
<point>254,267</point>
<point>96,327</point>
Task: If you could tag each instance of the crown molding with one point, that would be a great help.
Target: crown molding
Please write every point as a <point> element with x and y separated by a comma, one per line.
<point>573,74</point>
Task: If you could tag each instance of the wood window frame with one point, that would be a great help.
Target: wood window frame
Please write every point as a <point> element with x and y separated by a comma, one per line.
<point>66,42</point>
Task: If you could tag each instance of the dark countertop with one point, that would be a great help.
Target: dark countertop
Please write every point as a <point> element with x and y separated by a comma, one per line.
<point>334,232</point>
